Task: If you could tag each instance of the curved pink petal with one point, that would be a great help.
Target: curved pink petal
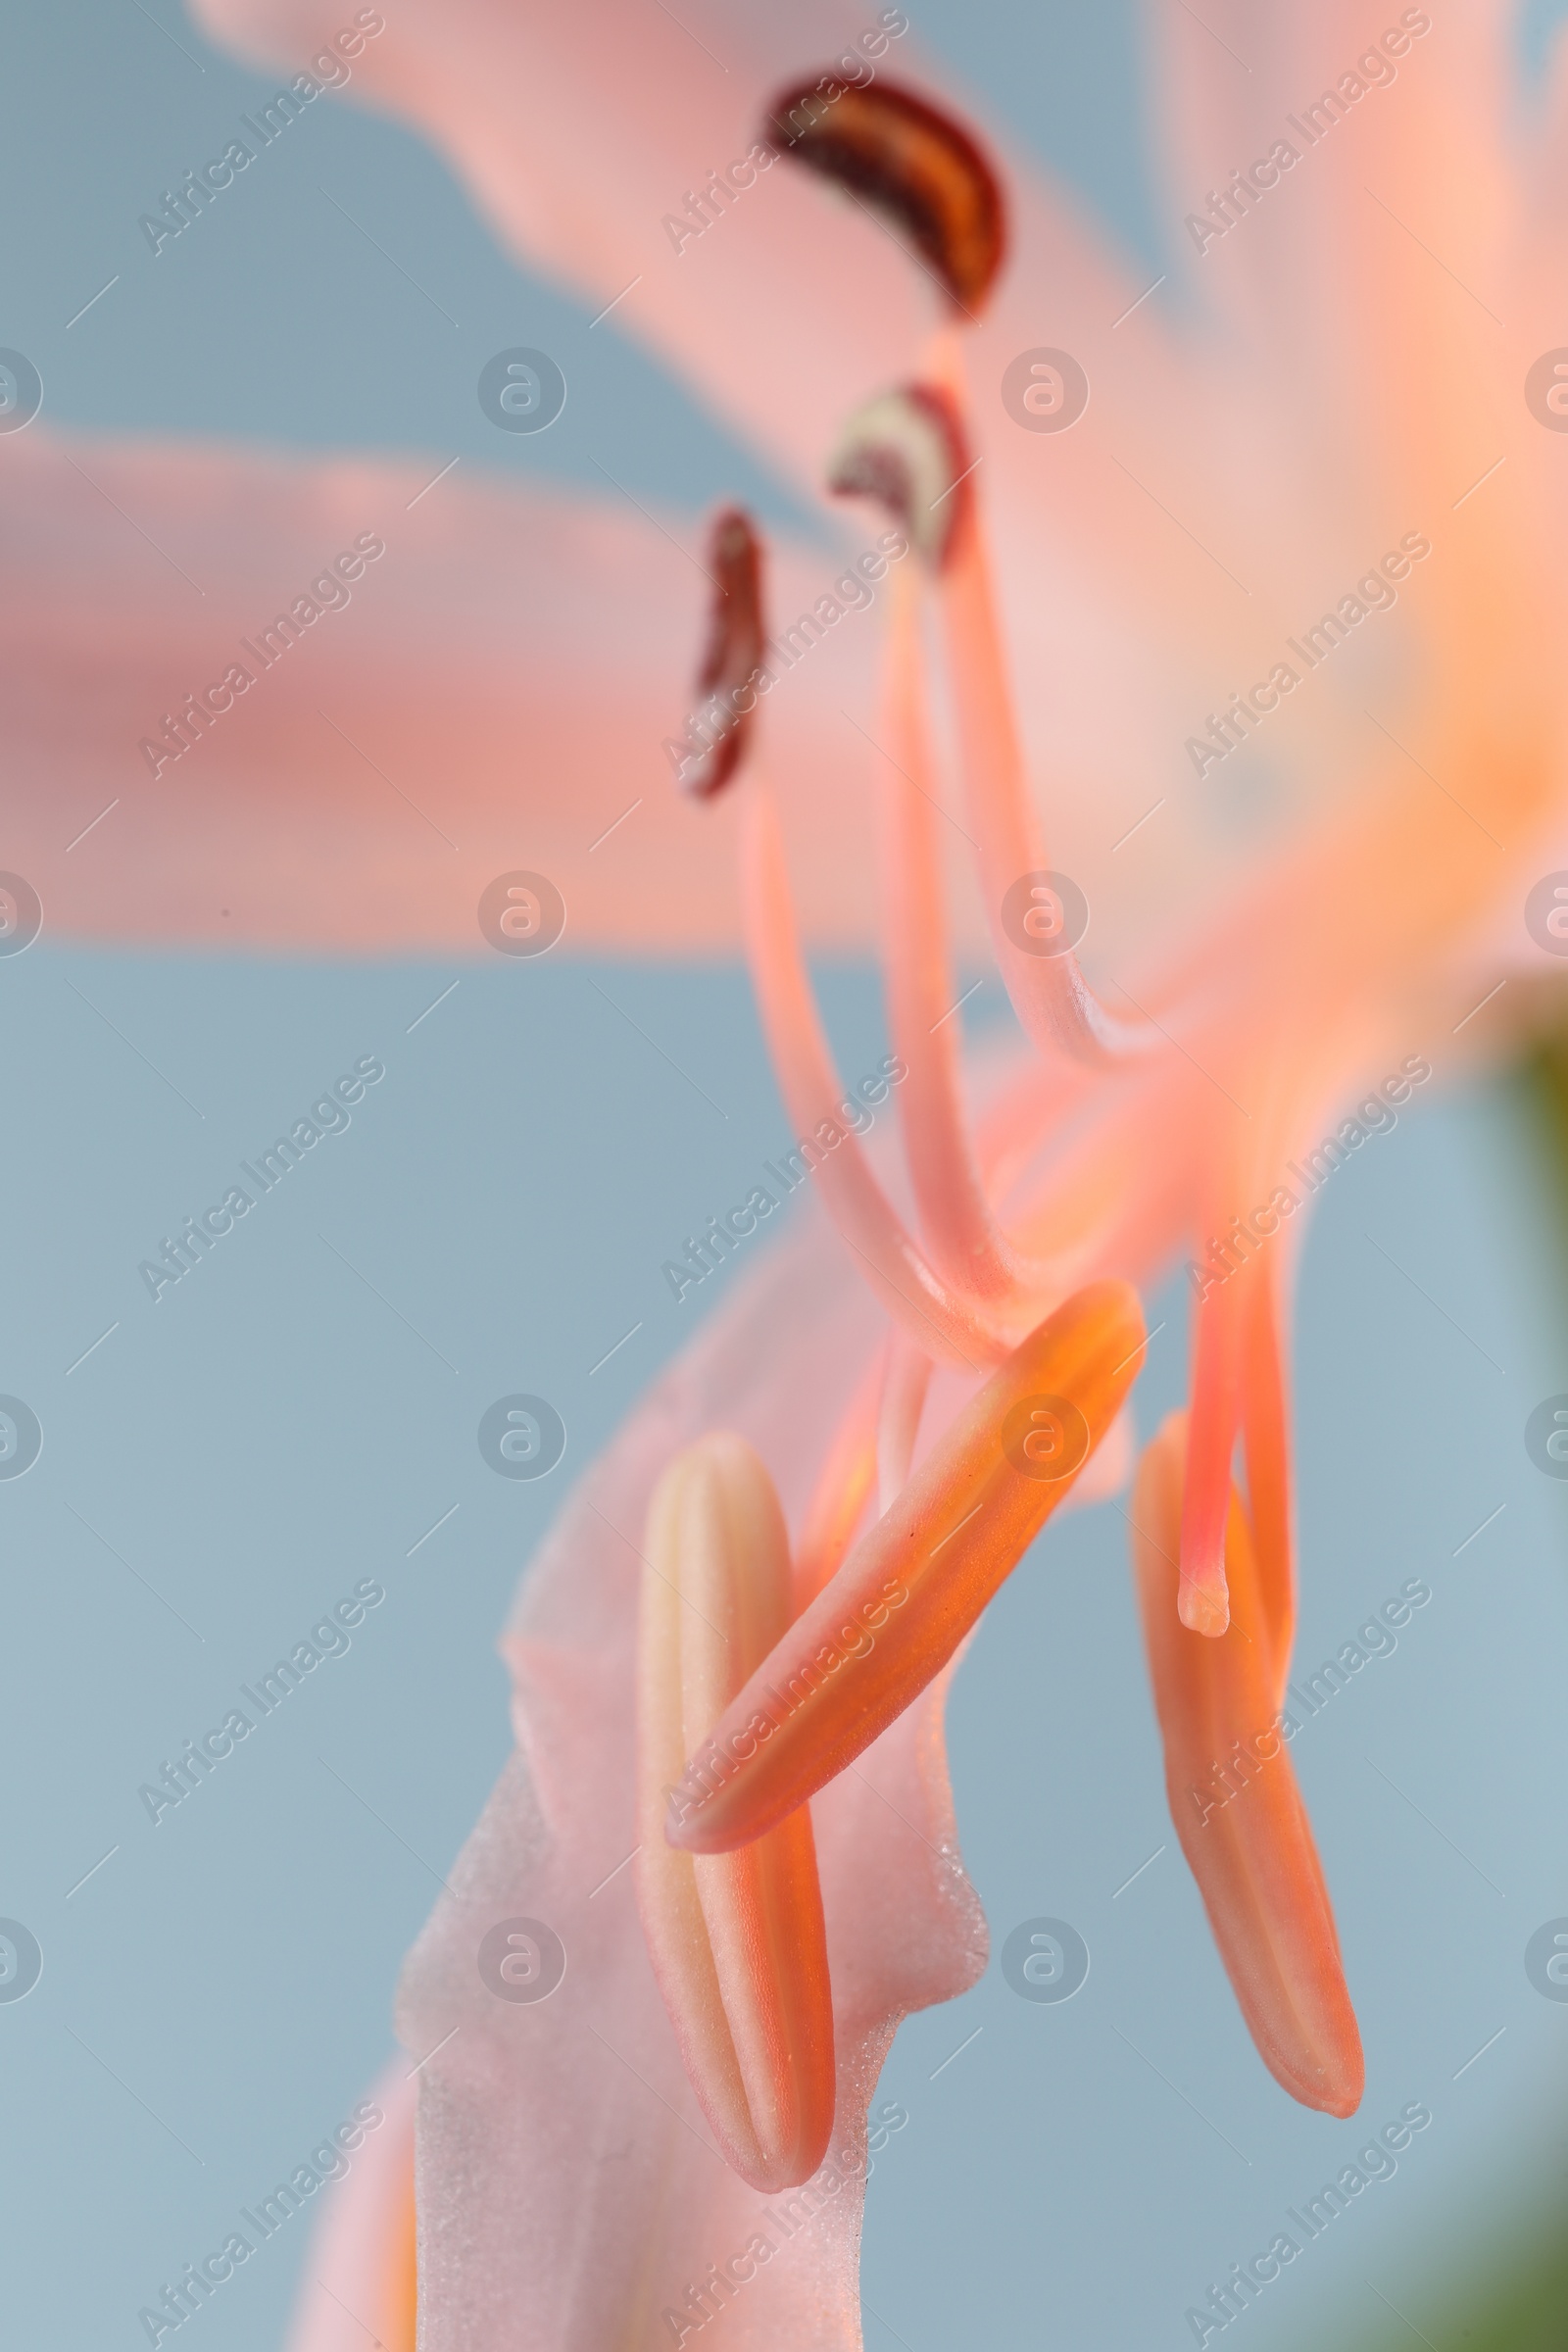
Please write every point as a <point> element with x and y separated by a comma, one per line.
<point>490,693</point>
<point>582,136</point>
<point>1416,92</point>
<point>1215,495</point>
<point>570,2191</point>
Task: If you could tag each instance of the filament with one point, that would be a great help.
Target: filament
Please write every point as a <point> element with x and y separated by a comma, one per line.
<point>928,1310</point>
<point>1050,993</point>
<point>965,1239</point>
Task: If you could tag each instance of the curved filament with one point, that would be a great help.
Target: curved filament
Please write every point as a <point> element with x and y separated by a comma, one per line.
<point>737,1940</point>
<point>1053,1001</point>
<point>1235,1803</point>
<point>924,1306</point>
<point>918,1580</point>
<point>1202,1601</point>
<point>964,1238</point>
<point>1266,1442</point>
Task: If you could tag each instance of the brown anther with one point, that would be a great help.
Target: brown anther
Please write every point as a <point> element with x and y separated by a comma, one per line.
<point>718,729</point>
<point>911,162</point>
<point>906,449</point>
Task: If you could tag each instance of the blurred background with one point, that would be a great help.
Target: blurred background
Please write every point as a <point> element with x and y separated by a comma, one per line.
<point>301,1414</point>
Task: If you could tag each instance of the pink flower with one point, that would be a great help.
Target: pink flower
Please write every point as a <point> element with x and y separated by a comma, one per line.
<point>1323,518</point>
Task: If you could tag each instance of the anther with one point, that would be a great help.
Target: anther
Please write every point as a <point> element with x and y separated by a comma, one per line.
<point>737,1940</point>
<point>906,449</point>
<point>913,163</point>
<point>886,1624</point>
<point>718,729</point>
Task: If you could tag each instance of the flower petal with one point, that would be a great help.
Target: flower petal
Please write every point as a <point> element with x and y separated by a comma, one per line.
<point>490,693</point>
<point>791,306</point>
<point>570,2191</point>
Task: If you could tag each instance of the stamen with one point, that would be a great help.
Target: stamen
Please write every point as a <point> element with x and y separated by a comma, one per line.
<point>1203,1601</point>
<point>719,728</point>
<point>1235,1803</point>
<point>936,1317</point>
<point>907,449</point>
<point>913,163</point>
<point>1240,1372</point>
<point>737,1940</point>
<point>1031,928</point>
<point>1266,1434</point>
<point>965,1239</point>
<point>918,1580</point>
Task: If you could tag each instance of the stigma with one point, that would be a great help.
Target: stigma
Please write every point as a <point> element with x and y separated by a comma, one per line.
<point>718,729</point>
<point>906,449</point>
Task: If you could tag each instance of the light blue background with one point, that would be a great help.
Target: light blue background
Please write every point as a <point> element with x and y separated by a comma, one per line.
<point>216,1996</point>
